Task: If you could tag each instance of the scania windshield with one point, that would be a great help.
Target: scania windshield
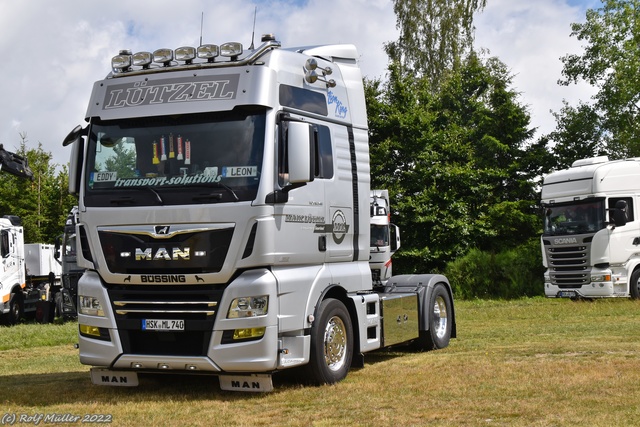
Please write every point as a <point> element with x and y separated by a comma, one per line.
<point>578,217</point>
<point>171,160</point>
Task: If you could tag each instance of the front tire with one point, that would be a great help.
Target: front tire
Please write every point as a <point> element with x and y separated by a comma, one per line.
<point>331,343</point>
<point>634,284</point>
<point>16,309</point>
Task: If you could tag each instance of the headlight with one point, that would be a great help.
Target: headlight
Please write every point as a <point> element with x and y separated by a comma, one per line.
<point>90,306</point>
<point>248,307</point>
<point>601,278</point>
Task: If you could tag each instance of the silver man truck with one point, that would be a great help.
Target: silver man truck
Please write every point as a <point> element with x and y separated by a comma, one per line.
<point>591,231</point>
<point>223,220</point>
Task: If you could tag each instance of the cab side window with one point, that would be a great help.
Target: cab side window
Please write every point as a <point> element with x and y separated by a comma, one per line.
<point>629,210</point>
<point>4,244</point>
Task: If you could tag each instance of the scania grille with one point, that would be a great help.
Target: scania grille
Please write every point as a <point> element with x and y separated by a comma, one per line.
<point>568,265</point>
<point>197,306</point>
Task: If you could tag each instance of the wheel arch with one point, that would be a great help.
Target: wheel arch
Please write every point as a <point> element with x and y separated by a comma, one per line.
<point>414,282</point>
<point>338,292</point>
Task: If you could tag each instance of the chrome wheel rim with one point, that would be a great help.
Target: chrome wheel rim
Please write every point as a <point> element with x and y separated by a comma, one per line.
<point>440,318</point>
<point>335,343</point>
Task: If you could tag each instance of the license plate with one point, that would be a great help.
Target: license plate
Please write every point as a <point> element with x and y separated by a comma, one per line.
<point>100,376</point>
<point>567,294</point>
<point>162,325</point>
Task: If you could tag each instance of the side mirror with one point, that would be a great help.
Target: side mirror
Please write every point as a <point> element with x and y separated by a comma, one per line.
<point>75,166</point>
<point>76,133</point>
<point>300,152</point>
<point>395,237</point>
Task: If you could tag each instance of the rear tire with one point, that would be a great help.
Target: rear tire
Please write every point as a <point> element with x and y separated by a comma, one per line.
<point>331,343</point>
<point>439,314</point>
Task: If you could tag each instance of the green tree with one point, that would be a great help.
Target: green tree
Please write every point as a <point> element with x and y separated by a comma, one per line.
<point>610,63</point>
<point>41,203</point>
<point>457,161</point>
<point>434,35</point>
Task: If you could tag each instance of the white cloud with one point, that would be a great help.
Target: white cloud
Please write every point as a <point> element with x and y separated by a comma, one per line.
<point>530,38</point>
<point>53,51</point>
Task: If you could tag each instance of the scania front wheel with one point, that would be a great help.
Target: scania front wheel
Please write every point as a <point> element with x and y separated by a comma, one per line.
<point>634,284</point>
<point>331,343</point>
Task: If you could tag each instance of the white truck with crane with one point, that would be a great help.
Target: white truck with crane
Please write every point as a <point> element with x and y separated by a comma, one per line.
<point>592,230</point>
<point>223,224</point>
<point>28,272</point>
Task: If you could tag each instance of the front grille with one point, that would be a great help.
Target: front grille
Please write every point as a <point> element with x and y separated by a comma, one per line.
<point>196,305</point>
<point>193,252</point>
<point>568,265</point>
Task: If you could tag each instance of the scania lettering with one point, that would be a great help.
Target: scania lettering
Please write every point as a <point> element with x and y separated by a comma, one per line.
<point>591,229</point>
<point>223,221</point>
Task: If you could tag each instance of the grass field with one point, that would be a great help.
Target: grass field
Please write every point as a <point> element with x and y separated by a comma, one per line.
<point>530,362</point>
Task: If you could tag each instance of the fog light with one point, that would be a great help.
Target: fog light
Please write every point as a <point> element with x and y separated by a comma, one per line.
<point>243,334</point>
<point>93,331</point>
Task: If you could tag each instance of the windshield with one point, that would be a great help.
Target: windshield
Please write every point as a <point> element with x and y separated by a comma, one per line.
<point>379,235</point>
<point>574,218</point>
<point>190,159</point>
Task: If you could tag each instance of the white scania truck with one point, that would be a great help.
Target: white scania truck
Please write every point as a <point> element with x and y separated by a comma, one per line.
<point>591,238</point>
<point>223,220</point>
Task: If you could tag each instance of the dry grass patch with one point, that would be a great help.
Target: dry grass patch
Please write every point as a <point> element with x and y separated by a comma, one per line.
<point>531,362</point>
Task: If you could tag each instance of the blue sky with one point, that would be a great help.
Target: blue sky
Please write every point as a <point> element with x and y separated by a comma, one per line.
<point>53,51</point>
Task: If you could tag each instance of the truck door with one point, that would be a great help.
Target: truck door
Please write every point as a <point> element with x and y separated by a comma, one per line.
<point>340,198</point>
<point>301,219</point>
<point>624,241</point>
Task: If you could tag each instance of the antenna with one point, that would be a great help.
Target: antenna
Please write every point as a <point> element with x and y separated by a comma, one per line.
<point>201,25</point>
<point>255,12</point>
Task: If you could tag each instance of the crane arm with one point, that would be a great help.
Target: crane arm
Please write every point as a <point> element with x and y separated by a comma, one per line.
<point>14,164</point>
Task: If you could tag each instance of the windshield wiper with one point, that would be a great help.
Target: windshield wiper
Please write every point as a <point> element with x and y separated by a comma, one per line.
<point>213,195</point>
<point>128,200</point>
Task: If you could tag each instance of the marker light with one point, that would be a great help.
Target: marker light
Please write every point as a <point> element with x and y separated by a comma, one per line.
<point>231,49</point>
<point>142,59</point>
<point>186,54</point>
<point>163,56</point>
<point>208,51</point>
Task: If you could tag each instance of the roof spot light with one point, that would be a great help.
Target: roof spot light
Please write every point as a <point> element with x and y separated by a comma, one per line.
<point>208,52</point>
<point>186,54</point>
<point>163,56</point>
<point>231,50</point>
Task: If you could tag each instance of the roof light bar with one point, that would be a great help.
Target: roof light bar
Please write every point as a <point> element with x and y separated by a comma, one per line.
<point>125,60</point>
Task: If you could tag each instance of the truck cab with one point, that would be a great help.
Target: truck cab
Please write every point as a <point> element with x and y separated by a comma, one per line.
<point>591,229</point>
<point>223,221</point>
